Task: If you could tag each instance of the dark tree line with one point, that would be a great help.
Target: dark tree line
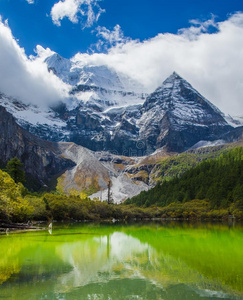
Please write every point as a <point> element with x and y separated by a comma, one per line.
<point>220,181</point>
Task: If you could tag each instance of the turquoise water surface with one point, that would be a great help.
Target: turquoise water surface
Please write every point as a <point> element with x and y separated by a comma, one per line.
<point>139,261</point>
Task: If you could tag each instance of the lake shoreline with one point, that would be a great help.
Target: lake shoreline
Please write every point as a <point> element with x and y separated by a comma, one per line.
<point>18,227</point>
<point>6,227</point>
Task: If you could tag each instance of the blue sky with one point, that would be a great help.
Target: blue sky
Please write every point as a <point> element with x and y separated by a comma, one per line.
<point>143,40</point>
<point>32,24</point>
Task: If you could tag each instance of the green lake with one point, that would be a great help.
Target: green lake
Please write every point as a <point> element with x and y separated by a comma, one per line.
<point>155,261</point>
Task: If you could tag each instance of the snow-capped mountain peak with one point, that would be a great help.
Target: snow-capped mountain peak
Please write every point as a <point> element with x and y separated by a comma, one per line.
<point>97,85</point>
<point>75,72</point>
<point>176,92</point>
<point>59,65</point>
<point>175,115</point>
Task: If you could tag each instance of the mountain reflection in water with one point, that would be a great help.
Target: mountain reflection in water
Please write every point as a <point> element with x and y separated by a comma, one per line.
<point>123,262</point>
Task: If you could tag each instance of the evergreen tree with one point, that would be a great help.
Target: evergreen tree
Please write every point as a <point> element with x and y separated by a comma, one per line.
<point>15,169</point>
<point>218,180</point>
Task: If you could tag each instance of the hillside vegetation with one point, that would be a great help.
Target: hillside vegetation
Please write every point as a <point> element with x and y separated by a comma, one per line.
<point>213,189</point>
<point>177,165</point>
<point>17,204</point>
<point>219,182</point>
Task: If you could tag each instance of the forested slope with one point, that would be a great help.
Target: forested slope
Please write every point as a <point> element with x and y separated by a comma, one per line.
<point>219,181</point>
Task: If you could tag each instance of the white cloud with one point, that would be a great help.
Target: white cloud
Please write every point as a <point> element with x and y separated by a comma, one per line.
<point>109,38</point>
<point>30,1</point>
<point>42,53</point>
<point>85,11</point>
<point>24,78</point>
<point>198,27</point>
<point>212,63</point>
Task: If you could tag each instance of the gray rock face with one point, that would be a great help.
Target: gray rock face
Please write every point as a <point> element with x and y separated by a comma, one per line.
<point>177,116</point>
<point>41,158</point>
<point>174,116</point>
<point>235,135</point>
<point>77,168</point>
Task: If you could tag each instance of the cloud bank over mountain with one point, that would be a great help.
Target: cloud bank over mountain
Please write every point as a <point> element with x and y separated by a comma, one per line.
<point>207,54</point>
<point>210,61</point>
<point>24,78</point>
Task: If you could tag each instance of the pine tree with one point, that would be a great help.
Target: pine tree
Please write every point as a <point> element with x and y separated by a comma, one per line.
<point>15,169</point>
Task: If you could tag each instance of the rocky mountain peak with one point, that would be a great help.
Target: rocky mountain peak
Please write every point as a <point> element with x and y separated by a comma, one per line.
<point>171,80</point>
<point>174,76</point>
<point>77,72</point>
<point>176,93</point>
<point>176,115</point>
<point>58,64</point>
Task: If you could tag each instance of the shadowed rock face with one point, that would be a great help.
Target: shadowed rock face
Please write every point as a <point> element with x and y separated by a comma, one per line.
<point>175,116</point>
<point>77,168</point>
<point>41,158</point>
<point>234,135</point>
